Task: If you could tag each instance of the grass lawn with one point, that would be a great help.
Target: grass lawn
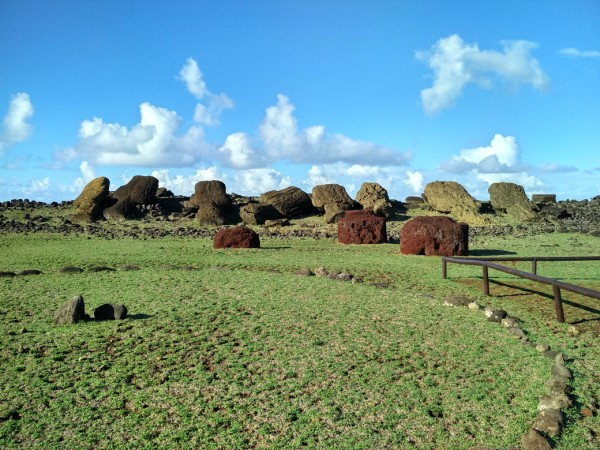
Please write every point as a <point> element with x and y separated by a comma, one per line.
<point>229,349</point>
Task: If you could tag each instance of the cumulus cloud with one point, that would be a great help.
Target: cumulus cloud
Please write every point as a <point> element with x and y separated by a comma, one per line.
<point>257,181</point>
<point>415,181</point>
<point>456,64</point>
<point>185,184</point>
<point>283,140</point>
<point>351,176</point>
<point>152,141</point>
<point>498,161</point>
<point>238,152</point>
<point>208,113</point>
<point>575,53</point>
<point>15,126</point>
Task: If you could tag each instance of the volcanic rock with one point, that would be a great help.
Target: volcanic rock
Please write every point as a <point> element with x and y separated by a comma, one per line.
<point>374,196</point>
<point>258,213</point>
<point>451,197</point>
<point>236,237</point>
<point>140,190</point>
<point>332,197</point>
<point>362,227</point>
<point>109,311</point>
<point>289,202</point>
<point>91,201</point>
<point>434,236</point>
<point>72,311</point>
<point>511,197</point>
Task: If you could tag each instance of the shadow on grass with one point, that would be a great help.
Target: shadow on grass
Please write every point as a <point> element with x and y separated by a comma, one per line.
<point>528,291</point>
<point>139,316</point>
<point>274,248</point>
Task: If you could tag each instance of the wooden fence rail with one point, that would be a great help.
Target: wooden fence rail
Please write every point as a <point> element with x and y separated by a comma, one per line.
<point>488,263</point>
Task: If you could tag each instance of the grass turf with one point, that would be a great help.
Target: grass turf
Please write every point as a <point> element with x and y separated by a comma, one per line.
<point>228,349</point>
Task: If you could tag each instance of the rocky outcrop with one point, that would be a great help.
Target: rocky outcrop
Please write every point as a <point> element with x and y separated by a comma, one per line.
<point>451,197</point>
<point>140,190</point>
<point>511,198</point>
<point>434,236</point>
<point>288,202</point>
<point>373,196</point>
<point>361,227</point>
<point>236,237</point>
<point>91,201</point>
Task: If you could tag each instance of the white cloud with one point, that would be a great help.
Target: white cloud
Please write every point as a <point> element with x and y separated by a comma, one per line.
<point>237,152</point>
<point>152,141</point>
<point>191,75</point>
<point>575,53</point>
<point>87,171</point>
<point>185,184</point>
<point>499,161</point>
<point>283,141</point>
<point>204,114</point>
<point>456,64</point>
<point>15,127</point>
<point>351,176</point>
<point>501,156</point>
<point>258,181</point>
<point>415,181</point>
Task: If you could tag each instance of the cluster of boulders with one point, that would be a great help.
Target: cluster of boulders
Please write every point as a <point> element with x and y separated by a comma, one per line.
<point>73,311</point>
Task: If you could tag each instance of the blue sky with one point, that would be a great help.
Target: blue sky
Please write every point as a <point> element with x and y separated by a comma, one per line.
<point>267,94</point>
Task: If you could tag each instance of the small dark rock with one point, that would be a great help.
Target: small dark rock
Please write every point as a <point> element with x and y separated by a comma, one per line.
<point>533,440</point>
<point>70,269</point>
<point>109,311</point>
<point>30,272</point>
<point>456,301</point>
<point>550,422</point>
<point>498,315</point>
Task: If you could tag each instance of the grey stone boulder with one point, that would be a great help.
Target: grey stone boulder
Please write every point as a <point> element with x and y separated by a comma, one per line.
<point>213,191</point>
<point>511,198</point>
<point>91,201</point>
<point>325,194</point>
<point>70,312</point>
<point>140,190</point>
<point>452,198</point>
<point>374,196</point>
<point>109,311</point>
<point>289,202</point>
<point>258,213</point>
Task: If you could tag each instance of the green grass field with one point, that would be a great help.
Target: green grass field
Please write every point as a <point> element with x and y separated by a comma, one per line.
<point>229,349</point>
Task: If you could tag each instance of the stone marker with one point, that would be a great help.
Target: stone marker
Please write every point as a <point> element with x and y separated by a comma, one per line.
<point>71,311</point>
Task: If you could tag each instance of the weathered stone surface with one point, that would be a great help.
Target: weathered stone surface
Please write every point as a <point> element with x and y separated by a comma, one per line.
<point>140,190</point>
<point>361,227</point>
<point>212,191</point>
<point>511,197</point>
<point>497,315</point>
<point>533,440</point>
<point>325,194</point>
<point>435,235</point>
<point>335,211</point>
<point>374,196</point>
<point>212,201</point>
<point>258,213</point>
<point>451,197</point>
<point>91,201</point>
<point>289,202</point>
<point>72,311</point>
<point>303,272</point>
<point>236,237</point>
<point>414,199</point>
<point>109,311</point>
<point>550,422</point>
<point>210,214</point>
